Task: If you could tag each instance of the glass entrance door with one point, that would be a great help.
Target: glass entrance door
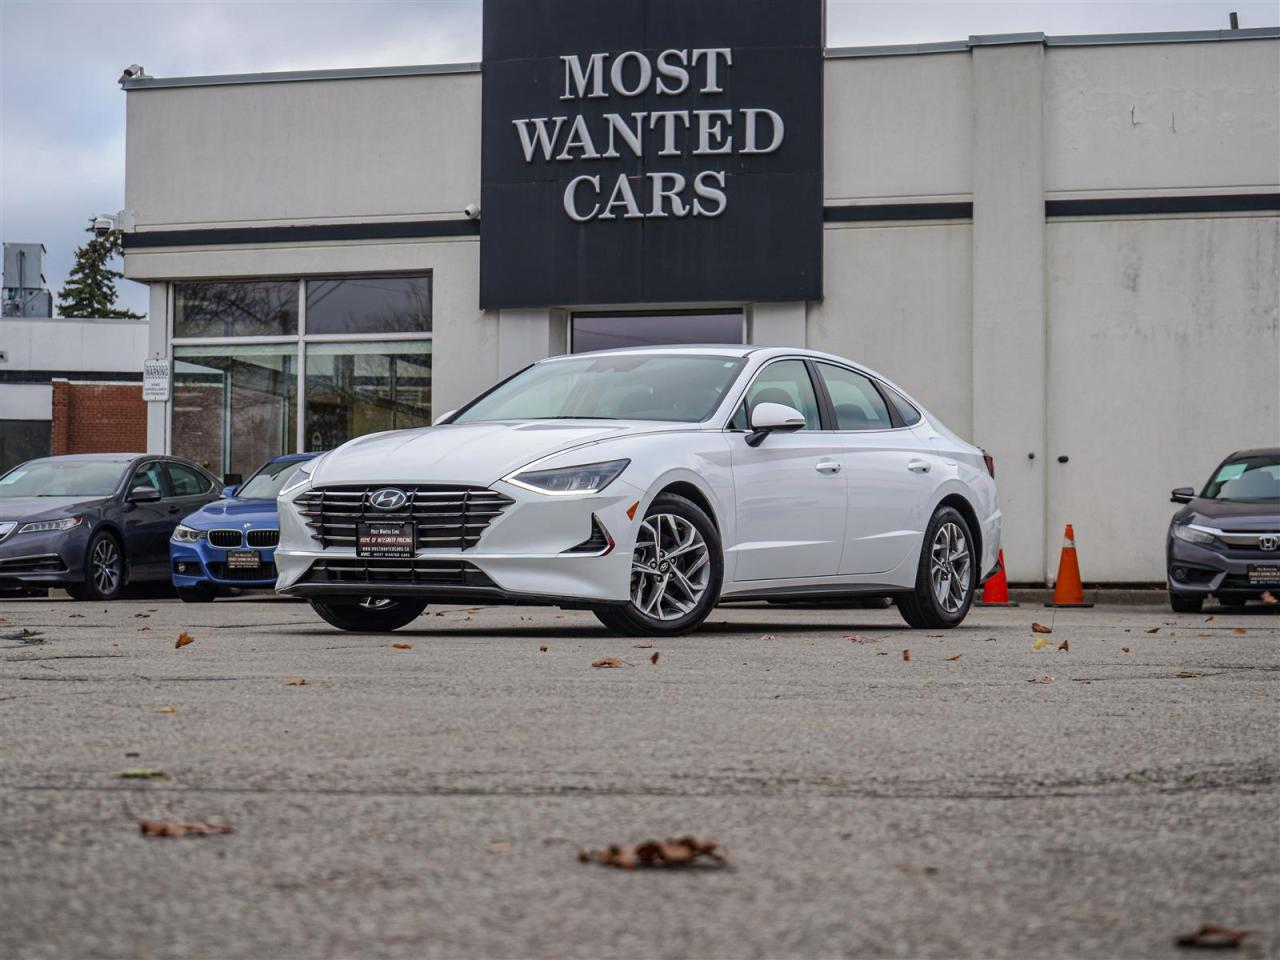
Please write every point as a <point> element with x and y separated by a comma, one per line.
<point>610,331</point>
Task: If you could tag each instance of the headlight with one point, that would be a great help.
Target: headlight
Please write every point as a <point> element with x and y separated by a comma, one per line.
<point>1191,533</point>
<point>184,534</point>
<point>588,478</point>
<point>47,526</point>
<point>299,478</point>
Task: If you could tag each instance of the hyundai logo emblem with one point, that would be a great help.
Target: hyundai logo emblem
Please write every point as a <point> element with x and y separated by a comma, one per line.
<point>1268,542</point>
<point>388,498</point>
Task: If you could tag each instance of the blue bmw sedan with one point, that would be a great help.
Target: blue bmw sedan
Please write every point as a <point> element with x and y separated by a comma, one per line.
<point>232,542</point>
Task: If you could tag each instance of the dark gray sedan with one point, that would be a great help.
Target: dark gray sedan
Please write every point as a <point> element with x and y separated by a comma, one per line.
<point>1226,541</point>
<point>92,523</point>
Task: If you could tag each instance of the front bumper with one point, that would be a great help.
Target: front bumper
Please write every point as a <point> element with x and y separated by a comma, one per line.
<point>520,558</point>
<point>199,564</point>
<point>1202,570</point>
<point>43,559</point>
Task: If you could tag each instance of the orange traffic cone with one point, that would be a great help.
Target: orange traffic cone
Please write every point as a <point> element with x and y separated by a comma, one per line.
<point>1068,591</point>
<point>995,592</point>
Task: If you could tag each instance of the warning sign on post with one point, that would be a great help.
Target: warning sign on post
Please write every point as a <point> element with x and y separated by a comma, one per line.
<point>155,380</point>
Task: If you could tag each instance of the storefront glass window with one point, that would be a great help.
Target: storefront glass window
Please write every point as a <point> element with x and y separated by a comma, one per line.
<point>369,305</point>
<point>257,308</point>
<point>234,406</point>
<point>358,388</point>
<point>613,330</point>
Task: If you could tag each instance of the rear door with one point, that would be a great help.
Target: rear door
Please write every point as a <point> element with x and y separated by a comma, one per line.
<point>890,481</point>
<point>790,490</point>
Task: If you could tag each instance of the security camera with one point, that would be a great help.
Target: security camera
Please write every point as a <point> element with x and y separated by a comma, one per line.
<point>471,211</point>
<point>133,71</point>
<point>102,226</point>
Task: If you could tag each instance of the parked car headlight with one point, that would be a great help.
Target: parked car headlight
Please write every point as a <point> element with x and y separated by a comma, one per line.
<point>47,526</point>
<point>587,478</point>
<point>1191,533</point>
<point>184,534</point>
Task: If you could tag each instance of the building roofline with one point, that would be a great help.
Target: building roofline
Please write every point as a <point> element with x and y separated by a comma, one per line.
<point>832,53</point>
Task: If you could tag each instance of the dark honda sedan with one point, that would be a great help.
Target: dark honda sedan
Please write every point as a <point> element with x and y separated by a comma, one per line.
<point>92,523</point>
<point>1226,541</point>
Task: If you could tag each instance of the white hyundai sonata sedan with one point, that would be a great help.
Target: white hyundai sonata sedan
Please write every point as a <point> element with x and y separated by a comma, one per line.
<point>647,485</point>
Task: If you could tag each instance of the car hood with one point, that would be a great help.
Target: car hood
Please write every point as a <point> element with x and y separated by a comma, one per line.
<point>1232,515</point>
<point>473,453</point>
<point>45,508</point>
<point>234,510</point>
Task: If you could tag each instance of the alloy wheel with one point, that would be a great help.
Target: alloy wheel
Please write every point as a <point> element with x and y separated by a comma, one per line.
<point>949,567</point>
<point>105,566</point>
<point>670,568</point>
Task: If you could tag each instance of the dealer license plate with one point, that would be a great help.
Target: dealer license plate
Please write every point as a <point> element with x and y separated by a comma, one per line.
<point>243,560</point>
<point>385,540</point>
<point>1264,575</point>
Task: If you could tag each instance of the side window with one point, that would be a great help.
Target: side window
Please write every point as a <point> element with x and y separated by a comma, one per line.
<point>186,482</point>
<point>909,415</point>
<point>858,403</point>
<point>786,382</point>
<point>148,475</point>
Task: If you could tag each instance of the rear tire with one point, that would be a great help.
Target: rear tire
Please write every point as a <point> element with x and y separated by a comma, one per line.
<point>370,615</point>
<point>1184,604</point>
<point>947,575</point>
<point>676,574</point>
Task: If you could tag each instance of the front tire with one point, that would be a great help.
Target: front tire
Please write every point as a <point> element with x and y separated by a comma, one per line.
<point>370,615</point>
<point>1184,604</point>
<point>677,569</point>
<point>104,570</point>
<point>947,575</point>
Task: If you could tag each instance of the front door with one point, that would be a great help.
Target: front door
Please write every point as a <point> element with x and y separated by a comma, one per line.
<point>790,489</point>
<point>147,526</point>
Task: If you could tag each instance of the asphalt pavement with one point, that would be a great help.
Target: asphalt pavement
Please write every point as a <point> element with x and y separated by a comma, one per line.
<point>431,801</point>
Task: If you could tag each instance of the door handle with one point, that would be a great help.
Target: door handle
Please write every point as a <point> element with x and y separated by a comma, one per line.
<point>827,466</point>
<point>918,466</point>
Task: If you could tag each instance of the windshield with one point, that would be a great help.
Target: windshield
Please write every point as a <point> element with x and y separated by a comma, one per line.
<point>63,478</point>
<point>675,388</point>
<point>268,481</point>
<point>1249,478</point>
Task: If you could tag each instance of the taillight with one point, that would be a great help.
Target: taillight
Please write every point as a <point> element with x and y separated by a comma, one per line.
<point>990,461</point>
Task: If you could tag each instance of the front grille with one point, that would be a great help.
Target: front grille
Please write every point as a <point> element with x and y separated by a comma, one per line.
<point>263,538</point>
<point>224,538</point>
<point>446,516</point>
<point>224,571</point>
<point>422,571</point>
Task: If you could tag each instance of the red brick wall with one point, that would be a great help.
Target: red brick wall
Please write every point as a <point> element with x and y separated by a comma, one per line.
<point>98,418</point>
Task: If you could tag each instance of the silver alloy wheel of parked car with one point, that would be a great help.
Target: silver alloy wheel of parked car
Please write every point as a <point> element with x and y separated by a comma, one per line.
<point>105,566</point>
<point>949,567</point>
<point>670,568</point>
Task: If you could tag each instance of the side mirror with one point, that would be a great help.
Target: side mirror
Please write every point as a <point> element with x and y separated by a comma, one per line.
<point>230,489</point>
<point>1182,495</point>
<point>143,495</point>
<point>768,417</point>
<point>443,417</point>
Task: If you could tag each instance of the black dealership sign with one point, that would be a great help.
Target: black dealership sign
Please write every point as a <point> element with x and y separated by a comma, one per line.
<point>651,151</point>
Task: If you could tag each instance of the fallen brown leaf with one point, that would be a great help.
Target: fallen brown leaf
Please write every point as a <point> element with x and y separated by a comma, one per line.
<point>1064,646</point>
<point>471,613</point>
<point>1241,630</point>
<point>1044,679</point>
<point>608,662</point>
<point>1154,630</point>
<point>500,846</point>
<point>165,710</point>
<point>1204,634</point>
<point>1040,628</point>
<point>654,658</point>
<point>183,639</point>
<point>642,646</point>
<point>1268,598</point>
<point>1208,618</point>
<point>140,629</point>
<point>164,828</point>
<point>542,648</point>
<point>296,682</point>
<point>858,638</point>
<point>1124,649</point>
<point>657,853</point>
<point>1189,673</point>
<point>402,646</point>
<point>142,774</point>
<point>1212,936</point>
<point>768,636</point>
<point>906,655</point>
<point>70,616</point>
<point>956,657</point>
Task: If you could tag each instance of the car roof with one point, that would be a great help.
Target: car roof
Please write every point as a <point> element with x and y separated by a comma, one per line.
<point>109,457</point>
<point>1255,452</point>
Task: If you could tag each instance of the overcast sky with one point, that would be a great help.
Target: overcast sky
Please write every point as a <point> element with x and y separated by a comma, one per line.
<point>62,120</point>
